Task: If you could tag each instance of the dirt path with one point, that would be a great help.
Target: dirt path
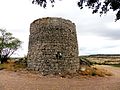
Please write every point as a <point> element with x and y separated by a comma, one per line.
<point>21,81</point>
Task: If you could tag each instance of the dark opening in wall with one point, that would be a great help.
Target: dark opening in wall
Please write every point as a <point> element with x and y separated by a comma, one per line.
<point>59,55</point>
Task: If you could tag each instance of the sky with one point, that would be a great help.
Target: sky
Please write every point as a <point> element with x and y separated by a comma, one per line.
<point>95,34</point>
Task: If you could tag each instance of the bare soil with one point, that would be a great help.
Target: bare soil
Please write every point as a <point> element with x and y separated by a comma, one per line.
<point>10,80</point>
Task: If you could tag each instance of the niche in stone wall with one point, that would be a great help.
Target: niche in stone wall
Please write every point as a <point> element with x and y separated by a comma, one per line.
<point>59,55</point>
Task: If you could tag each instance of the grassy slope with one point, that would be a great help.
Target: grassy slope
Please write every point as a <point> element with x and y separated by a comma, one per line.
<point>115,65</point>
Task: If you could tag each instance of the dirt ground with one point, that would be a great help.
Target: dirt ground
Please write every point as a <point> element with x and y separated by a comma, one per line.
<point>26,81</point>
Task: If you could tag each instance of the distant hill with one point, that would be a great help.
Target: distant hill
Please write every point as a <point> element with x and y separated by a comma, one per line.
<point>104,58</point>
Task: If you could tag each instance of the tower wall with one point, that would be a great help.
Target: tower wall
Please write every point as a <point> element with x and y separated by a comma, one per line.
<point>53,46</point>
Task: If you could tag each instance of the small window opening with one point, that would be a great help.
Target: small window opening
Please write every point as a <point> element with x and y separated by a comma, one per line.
<point>59,55</point>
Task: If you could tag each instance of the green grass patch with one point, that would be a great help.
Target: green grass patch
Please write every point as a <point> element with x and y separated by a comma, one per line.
<point>115,65</point>
<point>1,66</point>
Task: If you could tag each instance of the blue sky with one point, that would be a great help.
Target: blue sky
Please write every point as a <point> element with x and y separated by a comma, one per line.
<point>95,34</point>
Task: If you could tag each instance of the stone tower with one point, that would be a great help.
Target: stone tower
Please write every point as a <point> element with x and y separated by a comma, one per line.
<point>53,46</point>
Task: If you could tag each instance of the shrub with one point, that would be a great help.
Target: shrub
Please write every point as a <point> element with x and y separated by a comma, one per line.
<point>92,71</point>
<point>84,61</point>
<point>14,65</point>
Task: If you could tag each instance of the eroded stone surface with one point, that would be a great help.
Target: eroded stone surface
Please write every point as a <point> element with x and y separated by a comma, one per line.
<point>53,46</point>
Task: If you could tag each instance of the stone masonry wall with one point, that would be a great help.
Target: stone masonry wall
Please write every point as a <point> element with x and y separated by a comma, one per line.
<point>53,46</point>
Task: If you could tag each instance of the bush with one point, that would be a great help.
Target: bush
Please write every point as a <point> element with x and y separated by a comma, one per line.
<point>92,71</point>
<point>84,61</point>
<point>22,62</point>
<point>14,65</point>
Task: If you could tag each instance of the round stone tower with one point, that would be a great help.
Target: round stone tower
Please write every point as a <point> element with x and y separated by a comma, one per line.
<point>53,46</point>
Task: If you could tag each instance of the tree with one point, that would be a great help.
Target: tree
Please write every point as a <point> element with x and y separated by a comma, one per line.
<point>43,3</point>
<point>98,6</point>
<point>102,6</point>
<point>8,45</point>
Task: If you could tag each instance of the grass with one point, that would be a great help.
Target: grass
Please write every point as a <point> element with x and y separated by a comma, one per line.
<point>93,71</point>
<point>115,65</point>
<point>1,66</point>
<point>12,66</point>
<point>89,71</point>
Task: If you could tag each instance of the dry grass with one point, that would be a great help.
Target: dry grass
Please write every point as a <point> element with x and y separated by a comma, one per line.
<point>89,71</point>
<point>12,66</point>
<point>93,71</point>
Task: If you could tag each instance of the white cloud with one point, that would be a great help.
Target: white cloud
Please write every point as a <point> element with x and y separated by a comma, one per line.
<point>113,25</point>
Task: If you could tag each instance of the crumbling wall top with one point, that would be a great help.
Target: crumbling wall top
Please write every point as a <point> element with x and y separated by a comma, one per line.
<point>54,20</point>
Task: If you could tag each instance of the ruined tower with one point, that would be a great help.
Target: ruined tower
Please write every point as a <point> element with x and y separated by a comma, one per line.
<point>53,46</point>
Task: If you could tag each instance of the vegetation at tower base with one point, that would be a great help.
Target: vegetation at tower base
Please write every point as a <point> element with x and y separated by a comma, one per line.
<point>85,61</point>
<point>8,45</point>
<point>98,6</point>
<point>15,64</point>
<point>53,46</point>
